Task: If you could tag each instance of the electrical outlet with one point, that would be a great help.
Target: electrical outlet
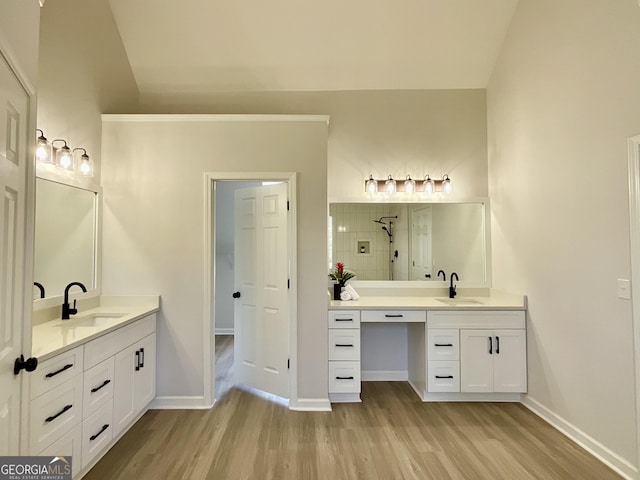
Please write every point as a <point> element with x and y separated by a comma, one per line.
<point>624,289</point>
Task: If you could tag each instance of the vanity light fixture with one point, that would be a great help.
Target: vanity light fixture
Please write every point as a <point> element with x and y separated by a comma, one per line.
<point>43,148</point>
<point>390,185</point>
<point>85,166</point>
<point>428,186</point>
<point>63,155</point>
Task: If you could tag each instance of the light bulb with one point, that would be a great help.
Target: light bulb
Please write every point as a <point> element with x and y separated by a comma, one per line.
<point>66,159</point>
<point>390,185</point>
<point>409,185</point>
<point>43,149</point>
<point>446,184</point>
<point>429,187</point>
<point>372,185</point>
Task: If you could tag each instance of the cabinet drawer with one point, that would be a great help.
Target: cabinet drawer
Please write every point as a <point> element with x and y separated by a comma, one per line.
<point>443,376</point>
<point>68,445</point>
<point>394,316</point>
<point>97,432</point>
<point>54,413</point>
<point>344,377</point>
<point>108,345</point>
<point>97,386</point>
<point>344,318</point>
<point>55,371</point>
<point>476,319</point>
<point>344,344</point>
<point>443,344</point>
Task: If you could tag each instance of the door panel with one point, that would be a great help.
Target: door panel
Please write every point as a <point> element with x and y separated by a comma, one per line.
<point>421,240</point>
<point>14,107</point>
<point>510,361</point>
<point>261,312</point>
<point>476,363</point>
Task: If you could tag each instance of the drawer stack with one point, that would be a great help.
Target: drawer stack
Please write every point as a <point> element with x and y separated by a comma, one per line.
<point>443,360</point>
<point>344,356</point>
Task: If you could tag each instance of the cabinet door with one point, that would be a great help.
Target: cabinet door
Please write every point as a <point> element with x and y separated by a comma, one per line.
<point>145,377</point>
<point>476,360</point>
<point>123,393</point>
<point>510,361</point>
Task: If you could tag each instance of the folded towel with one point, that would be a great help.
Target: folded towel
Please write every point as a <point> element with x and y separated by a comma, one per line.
<point>344,296</point>
<point>352,292</point>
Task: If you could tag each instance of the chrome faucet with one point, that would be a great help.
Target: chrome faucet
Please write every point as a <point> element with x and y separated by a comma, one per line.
<point>66,308</point>
<point>452,288</point>
<point>444,275</point>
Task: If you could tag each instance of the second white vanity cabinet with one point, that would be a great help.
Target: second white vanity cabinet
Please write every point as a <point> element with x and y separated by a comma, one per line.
<point>344,355</point>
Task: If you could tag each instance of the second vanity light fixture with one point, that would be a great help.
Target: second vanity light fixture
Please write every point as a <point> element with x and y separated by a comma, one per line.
<point>62,156</point>
<point>427,186</point>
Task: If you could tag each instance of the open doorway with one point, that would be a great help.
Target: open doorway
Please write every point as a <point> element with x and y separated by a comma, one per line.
<point>251,261</point>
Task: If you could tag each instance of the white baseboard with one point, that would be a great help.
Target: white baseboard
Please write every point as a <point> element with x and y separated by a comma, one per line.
<point>224,331</point>
<point>591,445</point>
<point>384,375</point>
<point>310,405</point>
<point>179,403</point>
<point>419,391</point>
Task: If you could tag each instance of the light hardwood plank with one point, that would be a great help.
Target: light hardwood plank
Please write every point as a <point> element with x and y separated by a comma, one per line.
<point>390,435</point>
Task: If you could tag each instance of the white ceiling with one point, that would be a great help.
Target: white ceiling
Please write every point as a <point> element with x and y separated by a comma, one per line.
<point>207,46</point>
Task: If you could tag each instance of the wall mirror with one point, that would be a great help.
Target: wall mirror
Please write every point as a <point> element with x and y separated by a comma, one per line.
<point>66,222</point>
<point>412,242</point>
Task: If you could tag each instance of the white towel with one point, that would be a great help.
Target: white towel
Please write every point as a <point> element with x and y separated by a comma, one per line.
<point>344,296</point>
<point>352,292</point>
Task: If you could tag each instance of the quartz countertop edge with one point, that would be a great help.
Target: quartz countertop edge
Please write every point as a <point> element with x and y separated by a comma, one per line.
<point>496,301</point>
<point>58,336</point>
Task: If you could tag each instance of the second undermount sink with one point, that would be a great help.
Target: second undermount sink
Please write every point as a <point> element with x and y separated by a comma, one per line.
<point>92,320</point>
<point>459,302</point>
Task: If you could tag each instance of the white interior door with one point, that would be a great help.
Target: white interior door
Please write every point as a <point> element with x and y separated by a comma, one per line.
<point>261,313</point>
<point>14,107</point>
<point>421,262</point>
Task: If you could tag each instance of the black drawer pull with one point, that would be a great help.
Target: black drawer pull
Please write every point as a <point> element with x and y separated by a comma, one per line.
<point>344,344</point>
<point>498,345</point>
<point>388,315</point>
<point>142,358</point>
<point>137,360</point>
<point>52,418</point>
<point>344,319</point>
<point>104,384</point>
<point>104,427</point>
<point>490,346</point>
<point>53,374</point>
<point>443,344</point>
<point>344,378</point>
<point>444,376</point>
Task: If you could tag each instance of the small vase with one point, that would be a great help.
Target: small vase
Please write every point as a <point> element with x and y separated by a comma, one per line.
<point>337,289</point>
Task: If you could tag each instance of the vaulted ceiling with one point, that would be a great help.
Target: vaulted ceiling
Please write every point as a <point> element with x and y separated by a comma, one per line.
<point>209,46</point>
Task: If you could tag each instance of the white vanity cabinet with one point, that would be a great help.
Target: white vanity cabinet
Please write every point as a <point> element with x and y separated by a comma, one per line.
<point>476,352</point>
<point>344,355</point>
<point>493,360</point>
<point>86,397</point>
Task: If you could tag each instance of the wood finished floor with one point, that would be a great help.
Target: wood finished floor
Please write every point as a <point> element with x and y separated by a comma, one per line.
<point>390,435</point>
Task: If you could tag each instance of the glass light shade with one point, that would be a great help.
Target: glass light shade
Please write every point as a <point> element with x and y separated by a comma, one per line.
<point>372,185</point>
<point>390,185</point>
<point>64,158</point>
<point>429,186</point>
<point>409,185</point>
<point>86,167</point>
<point>43,149</point>
<point>446,184</point>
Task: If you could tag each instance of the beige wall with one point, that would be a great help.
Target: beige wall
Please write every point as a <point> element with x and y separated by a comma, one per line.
<point>19,24</point>
<point>378,132</point>
<point>562,101</point>
<point>153,179</point>
<point>84,72</point>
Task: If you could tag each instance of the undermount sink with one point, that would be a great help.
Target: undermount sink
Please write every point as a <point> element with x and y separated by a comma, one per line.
<point>459,302</point>
<point>92,320</point>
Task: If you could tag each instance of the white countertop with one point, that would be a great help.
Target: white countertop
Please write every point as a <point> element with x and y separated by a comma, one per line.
<point>56,336</point>
<point>495,300</point>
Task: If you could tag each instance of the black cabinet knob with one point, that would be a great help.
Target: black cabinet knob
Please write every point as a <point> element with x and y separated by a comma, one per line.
<point>30,364</point>
<point>236,295</point>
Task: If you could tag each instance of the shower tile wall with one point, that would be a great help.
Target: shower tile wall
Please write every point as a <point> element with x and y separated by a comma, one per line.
<point>353,223</point>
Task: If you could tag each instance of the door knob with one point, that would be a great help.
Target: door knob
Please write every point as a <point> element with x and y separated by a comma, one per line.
<point>236,295</point>
<point>30,364</point>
